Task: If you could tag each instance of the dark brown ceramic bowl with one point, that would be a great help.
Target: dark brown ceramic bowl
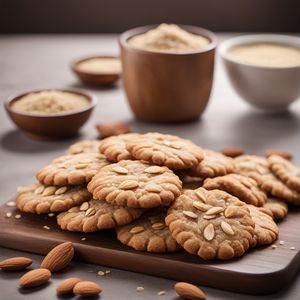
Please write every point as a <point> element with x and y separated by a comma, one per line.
<point>101,79</point>
<point>167,87</point>
<point>54,127</point>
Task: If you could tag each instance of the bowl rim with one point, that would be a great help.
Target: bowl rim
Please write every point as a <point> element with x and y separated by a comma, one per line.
<point>291,40</point>
<point>91,97</point>
<point>126,35</point>
<point>74,64</point>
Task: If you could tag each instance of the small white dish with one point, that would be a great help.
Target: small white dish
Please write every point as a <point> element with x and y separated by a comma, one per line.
<point>268,88</point>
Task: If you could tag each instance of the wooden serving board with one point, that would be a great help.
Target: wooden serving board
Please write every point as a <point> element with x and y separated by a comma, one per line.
<point>262,271</point>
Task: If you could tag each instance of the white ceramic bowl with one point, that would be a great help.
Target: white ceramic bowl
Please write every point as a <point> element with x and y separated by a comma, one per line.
<point>267,88</point>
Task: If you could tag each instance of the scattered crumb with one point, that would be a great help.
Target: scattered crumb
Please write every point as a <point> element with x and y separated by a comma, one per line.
<point>83,238</point>
<point>161,293</point>
<point>8,214</point>
<point>101,273</point>
<point>51,215</point>
<point>46,227</point>
<point>91,271</point>
<point>292,248</point>
<point>281,243</point>
<point>274,246</point>
<point>140,289</point>
<point>107,272</point>
<point>18,216</point>
<point>11,203</point>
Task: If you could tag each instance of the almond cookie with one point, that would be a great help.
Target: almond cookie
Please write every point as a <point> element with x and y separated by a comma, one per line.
<point>278,208</point>
<point>266,230</point>
<point>214,164</point>
<point>136,184</point>
<point>40,199</point>
<point>95,215</point>
<point>72,169</point>
<point>85,146</point>
<point>148,233</point>
<point>244,188</point>
<point>211,224</point>
<point>165,150</point>
<point>114,147</point>
<point>287,172</point>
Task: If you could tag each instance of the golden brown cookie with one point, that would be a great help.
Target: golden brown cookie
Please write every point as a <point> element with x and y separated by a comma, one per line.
<point>287,172</point>
<point>96,215</point>
<point>40,199</point>
<point>211,224</point>
<point>275,208</point>
<point>148,233</point>
<point>165,150</point>
<point>245,188</point>
<point>114,147</point>
<point>136,184</point>
<point>214,164</point>
<point>85,146</point>
<point>266,230</point>
<point>72,169</point>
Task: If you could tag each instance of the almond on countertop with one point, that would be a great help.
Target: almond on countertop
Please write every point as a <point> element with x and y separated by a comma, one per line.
<point>59,257</point>
<point>109,129</point>
<point>87,289</point>
<point>66,286</point>
<point>189,291</point>
<point>34,278</point>
<point>15,263</point>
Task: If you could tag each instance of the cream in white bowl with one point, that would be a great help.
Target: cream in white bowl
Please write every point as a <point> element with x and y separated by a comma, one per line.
<point>264,69</point>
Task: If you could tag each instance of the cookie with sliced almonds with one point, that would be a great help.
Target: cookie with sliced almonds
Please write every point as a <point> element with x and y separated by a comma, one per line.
<point>165,150</point>
<point>286,171</point>
<point>134,183</point>
<point>266,230</point>
<point>214,164</point>
<point>211,224</point>
<point>278,208</point>
<point>245,188</point>
<point>40,199</point>
<point>95,215</point>
<point>114,147</point>
<point>85,146</point>
<point>72,169</point>
<point>148,233</point>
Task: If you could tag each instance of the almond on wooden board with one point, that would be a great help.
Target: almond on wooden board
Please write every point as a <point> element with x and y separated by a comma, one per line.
<point>66,286</point>
<point>15,263</point>
<point>34,278</point>
<point>87,289</point>
<point>59,257</point>
<point>189,291</point>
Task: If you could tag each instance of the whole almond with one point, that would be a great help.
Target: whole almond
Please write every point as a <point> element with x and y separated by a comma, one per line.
<point>282,153</point>
<point>34,278</point>
<point>232,151</point>
<point>59,257</point>
<point>87,289</point>
<point>15,263</point>
<point>189,291</point>
<point>66,286</point>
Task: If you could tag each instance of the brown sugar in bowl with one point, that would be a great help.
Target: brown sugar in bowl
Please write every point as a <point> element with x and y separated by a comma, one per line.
<point>167,87</point>
<point>92,78</point>
<point>51,127</point>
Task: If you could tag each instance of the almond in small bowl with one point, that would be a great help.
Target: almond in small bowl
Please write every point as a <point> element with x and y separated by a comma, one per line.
<point>98,70</point>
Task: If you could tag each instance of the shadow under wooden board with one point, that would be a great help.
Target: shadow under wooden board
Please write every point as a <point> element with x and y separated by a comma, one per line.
<point>261,271</point>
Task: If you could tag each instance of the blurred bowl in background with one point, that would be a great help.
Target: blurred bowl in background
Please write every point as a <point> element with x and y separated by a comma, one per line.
<point>270,88</point>
<point>93,77</point>
<point>51,127</point>
<point>167,86</point>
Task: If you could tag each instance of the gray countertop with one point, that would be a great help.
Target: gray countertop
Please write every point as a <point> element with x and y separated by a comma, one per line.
<point>31,62</point>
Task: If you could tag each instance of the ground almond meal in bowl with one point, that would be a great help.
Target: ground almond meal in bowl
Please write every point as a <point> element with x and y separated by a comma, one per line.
<point>50,103</point>
<point>168,38</point>
<point>101,65</point>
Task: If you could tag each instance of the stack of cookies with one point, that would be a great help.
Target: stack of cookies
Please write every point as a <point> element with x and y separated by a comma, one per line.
<point>163,193</point>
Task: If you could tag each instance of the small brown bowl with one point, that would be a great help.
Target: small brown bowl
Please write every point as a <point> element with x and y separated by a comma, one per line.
<point>167,87</point>
<point>50,127</point>
<point>100,79</point>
